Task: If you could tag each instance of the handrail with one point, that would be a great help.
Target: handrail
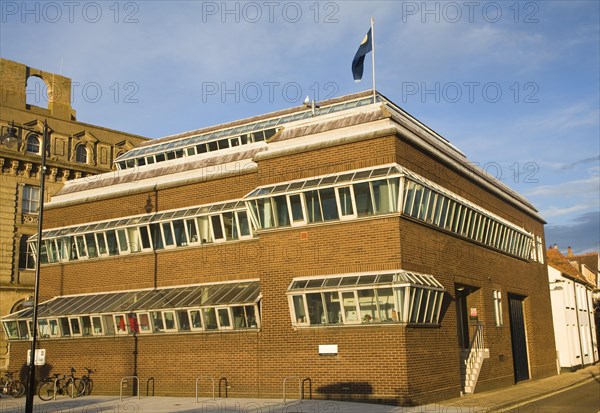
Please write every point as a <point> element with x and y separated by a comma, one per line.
<point>137,380</point>
<point>213,386</point>
<point>226,386</point>
<point>475,348</point>
<point>300,390</point>
<point>151,379</point>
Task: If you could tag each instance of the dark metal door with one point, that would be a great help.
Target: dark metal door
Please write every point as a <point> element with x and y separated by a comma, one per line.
<point>517,332</point>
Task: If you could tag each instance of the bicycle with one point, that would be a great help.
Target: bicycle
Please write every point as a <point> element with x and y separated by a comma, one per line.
<point>87,380</point>
<point>69,385</point>
<point>12,386</point>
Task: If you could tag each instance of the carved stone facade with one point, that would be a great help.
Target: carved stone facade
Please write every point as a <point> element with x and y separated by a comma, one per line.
<point>20,168</point>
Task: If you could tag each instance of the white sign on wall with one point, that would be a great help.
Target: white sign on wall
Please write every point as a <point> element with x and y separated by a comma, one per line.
<point>328,349</point>
<point>40,357</point>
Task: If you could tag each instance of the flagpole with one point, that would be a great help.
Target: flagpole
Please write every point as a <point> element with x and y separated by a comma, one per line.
<point>373,56</point>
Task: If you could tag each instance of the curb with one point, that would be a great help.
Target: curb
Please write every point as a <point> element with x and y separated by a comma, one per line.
<point>542,394</point>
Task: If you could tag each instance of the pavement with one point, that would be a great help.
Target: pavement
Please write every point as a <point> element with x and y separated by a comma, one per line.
<point>504,399</point>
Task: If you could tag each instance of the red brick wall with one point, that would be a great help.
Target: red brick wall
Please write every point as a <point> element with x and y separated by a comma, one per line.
<point>395,363</point>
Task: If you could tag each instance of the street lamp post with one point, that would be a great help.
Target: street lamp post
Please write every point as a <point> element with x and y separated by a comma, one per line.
<point>9,140</point>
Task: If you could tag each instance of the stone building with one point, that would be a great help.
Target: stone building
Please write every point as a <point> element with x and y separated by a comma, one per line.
<point>75,150</point>
<point>348,247</point>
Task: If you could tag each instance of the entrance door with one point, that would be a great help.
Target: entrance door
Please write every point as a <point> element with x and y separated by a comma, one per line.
<point>517,332</point>
<point>462,316</point>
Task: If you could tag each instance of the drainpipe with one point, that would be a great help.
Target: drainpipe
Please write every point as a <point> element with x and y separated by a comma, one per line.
<point>578,325</point>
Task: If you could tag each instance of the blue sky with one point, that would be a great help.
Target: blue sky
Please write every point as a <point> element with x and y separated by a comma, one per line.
<point>515,85</point>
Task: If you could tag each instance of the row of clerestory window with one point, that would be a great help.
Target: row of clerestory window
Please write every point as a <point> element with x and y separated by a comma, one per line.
<point>195,308</point>
<point>225,138</point>
<point>389,189</point>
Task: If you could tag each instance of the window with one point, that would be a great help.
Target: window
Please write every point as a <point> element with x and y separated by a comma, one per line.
<point>498,308</point>
<point>81,153</point>
<point>31,199</point>
<point>33,143</point>
<point>369,298</point>
<point>26,256</point>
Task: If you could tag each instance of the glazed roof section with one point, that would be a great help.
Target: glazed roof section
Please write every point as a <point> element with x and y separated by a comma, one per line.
<point>336,122</point>
<point>191,296</point>
<point>247,127</point>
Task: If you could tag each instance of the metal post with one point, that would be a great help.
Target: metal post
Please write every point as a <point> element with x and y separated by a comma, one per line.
<point>42,173</point>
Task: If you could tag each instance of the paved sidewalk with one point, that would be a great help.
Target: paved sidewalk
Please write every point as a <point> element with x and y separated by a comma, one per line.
<point>492,401</point>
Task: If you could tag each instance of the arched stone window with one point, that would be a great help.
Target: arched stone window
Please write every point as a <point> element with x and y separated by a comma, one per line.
<point>81,154</point>
<point>36,92</point>
<point>33,143</point>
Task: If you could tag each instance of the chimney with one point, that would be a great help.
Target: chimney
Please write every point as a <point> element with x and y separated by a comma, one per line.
<point>555,247</point>
<point>569,252</point>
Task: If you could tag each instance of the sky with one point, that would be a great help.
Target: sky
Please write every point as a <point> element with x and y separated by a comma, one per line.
<point>514,84</point>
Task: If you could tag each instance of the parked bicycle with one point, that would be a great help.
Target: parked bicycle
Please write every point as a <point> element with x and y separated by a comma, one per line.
<point>87,380</point>
<point>68,384</point>
<point>12,386</point>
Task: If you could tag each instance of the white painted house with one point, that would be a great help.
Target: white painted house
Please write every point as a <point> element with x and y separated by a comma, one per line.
<point>572,313</point>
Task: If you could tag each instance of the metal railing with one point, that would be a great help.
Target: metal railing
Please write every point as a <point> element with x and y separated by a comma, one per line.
<point>137,381</point>
<point>213,386</point>
<point>300,388</point>
<point>475,352</point>
<point>226,386</point>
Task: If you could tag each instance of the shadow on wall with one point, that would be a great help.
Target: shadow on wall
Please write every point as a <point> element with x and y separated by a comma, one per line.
<point>349,389</point>
<point>41,373</point>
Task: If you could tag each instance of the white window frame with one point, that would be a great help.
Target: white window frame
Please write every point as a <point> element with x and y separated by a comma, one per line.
<point>304,220</point>
<point>164,237</point>
<point>228,310</point>
<point>80,256</point>
<point>343,308</point>
<point>139,236</point>
<point>102,234</point>
<point>295,321</point>
<point>199,311</point>
<point>121,251</point>
<point>338,200</point>
<point>73,334</point>
<point>498,308</point>
<point>239,226</point>
<point>165,329</point>
<point>210,221</point>
<point>139,324</point>
<point>102,328</point>
<point>119,332</point>
<point>190,240</point>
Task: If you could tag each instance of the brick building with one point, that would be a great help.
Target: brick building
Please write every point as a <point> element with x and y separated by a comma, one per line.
<point>28,96</point>
<point>301,243</point>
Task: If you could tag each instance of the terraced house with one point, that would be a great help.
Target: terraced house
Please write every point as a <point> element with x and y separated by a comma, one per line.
<point>301,244</point>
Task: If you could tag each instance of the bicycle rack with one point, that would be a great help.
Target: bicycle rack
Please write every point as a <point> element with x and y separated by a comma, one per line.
<point>226,386</point>
<point>151,379</point>
<point>137,381</point>
<point>300,391</point>
<point>307,379</point>
<point>55,388</point>
<point>212,379</point>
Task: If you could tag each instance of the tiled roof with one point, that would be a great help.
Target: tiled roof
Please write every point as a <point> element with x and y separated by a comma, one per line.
<point>561,263</point>
<point>590,260</point>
